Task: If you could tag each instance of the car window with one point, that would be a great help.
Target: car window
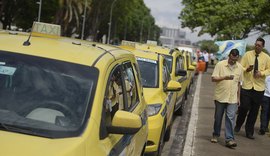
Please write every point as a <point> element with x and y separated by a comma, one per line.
<point>169,61</point>
<point>130,84</point>
<point>179,63</point>
<point>114,99</point>
<point>165,74</point>
<point>149,79</point>
<point>49,97</point>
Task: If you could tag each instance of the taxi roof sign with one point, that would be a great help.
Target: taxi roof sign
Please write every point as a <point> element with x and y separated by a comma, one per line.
<point>46,29</point>
<point>128,43</point>
<point>153,43</point>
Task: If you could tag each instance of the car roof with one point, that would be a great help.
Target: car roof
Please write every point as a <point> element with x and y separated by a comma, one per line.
<point>141,53</point>
<point>158,49</point>
<point>59,48</point>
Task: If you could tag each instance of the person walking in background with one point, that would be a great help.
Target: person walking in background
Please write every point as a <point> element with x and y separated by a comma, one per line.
<point>206,59</point>
<point>265,108</point>
<point>256,66</point>
<point>227,74</point>
<point>212,57</point>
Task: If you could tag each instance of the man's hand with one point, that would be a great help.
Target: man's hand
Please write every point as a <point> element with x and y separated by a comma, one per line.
<point>250,68</point>
<point>257,74</point>
<point>229,77</point>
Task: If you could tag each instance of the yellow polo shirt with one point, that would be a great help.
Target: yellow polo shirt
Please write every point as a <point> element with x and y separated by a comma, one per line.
<point>249,81</point>
<point>226,90</point>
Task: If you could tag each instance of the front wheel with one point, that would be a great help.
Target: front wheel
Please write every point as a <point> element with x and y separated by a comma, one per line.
<point>161,141</point>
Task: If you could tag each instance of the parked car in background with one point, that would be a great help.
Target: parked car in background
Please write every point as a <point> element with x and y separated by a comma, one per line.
<point>178,71</point>
<point>160,93</point>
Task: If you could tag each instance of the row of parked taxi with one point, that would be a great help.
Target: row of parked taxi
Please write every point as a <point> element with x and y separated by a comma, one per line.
<point>67,97</point>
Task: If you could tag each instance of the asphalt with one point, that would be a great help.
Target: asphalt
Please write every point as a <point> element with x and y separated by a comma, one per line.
<point>200,128</point>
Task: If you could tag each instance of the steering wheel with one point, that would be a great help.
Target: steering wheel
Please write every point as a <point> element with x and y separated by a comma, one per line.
<point>54,105</point>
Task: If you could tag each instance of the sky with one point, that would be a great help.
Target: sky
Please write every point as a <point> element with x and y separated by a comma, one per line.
<point>166,13</point>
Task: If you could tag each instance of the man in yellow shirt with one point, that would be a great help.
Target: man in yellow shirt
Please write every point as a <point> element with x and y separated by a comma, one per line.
<point>256,66</point>
<point>227,75</point>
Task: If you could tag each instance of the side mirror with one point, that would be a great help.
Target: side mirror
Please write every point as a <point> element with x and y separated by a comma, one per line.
<point>194,64</point>
<point>191,68</point>
<point>181,72</point>
<point>125,123</point>
<point>173,86</point>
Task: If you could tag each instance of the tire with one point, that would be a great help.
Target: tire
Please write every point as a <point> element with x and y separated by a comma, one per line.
<point>168,133</point>
<point>161,141</point>
<point>179,111</point>
<point>186,94</point>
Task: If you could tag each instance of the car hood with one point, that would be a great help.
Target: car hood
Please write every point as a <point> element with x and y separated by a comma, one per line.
<point>153,95</point>
<point>15,144</point>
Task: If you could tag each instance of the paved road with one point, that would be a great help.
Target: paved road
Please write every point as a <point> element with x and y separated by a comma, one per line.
<point>192,132</point>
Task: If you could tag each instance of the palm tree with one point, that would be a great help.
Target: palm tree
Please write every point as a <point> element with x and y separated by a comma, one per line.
<point>69,16</point>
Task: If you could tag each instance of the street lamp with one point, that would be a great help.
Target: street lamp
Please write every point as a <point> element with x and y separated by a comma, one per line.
<point>110,23</point>
<point>39,9</point>
<point>84,17</point>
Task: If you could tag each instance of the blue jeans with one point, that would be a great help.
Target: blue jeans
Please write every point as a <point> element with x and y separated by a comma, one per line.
<point>230,113</point>
<point>265,113</point>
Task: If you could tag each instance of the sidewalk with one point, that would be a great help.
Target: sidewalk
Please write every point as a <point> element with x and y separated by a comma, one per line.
<point>201,127</point>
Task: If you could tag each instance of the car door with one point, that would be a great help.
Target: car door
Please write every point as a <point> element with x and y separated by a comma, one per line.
<point>122,94</point>
<point>170,99</point>
<point>180,65</point>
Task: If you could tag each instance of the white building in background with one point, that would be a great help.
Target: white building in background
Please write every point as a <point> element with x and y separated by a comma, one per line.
<point>172,37</point>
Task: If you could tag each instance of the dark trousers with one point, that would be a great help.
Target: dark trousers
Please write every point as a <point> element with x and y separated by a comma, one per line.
<point>206,66</point>
<point>249,108</point>
<point>265,113</point>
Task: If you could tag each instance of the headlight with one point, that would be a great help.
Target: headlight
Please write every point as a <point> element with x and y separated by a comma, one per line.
<point>153,109</point>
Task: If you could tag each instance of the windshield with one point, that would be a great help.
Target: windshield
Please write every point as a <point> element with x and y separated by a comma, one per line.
<point>44,97</point>
<point>149,72</point>
<point>169,60</point>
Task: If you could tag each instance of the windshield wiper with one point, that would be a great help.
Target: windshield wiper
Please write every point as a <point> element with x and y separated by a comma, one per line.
<point>19,129</point>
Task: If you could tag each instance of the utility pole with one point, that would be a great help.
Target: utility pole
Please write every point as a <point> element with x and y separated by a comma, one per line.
<point>39,9</point>
<point>84,18</point>
<point>110,23</point>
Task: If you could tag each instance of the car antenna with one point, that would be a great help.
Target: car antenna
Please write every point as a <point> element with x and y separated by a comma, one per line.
<point>27,42</point>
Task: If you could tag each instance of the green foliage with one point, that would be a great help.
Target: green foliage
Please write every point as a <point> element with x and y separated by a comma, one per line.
<point>130,18</point>
<point>208,45</point>
<point>228,19</point>
<point>22,13</point>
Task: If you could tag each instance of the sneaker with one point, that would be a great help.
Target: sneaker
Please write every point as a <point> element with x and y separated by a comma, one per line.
<point>214,139</point>
<point>231,143</point>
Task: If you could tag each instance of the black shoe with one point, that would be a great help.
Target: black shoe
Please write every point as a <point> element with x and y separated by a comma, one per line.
<point>261,132</point>
<point>250,136</point>
<point>236,129</point>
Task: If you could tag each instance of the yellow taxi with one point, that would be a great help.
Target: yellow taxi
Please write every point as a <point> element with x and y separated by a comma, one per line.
<point>160,95</point>
<point>65,97</point>
<point>175,61</point>
<point>190,66</point>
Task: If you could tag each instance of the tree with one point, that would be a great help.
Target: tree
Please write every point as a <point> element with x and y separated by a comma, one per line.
<point>228,19</point>
<point>69,15</point>
<point>7,11</point>
<point>208,45</point>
